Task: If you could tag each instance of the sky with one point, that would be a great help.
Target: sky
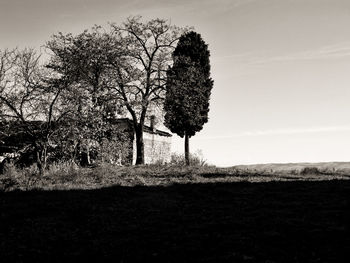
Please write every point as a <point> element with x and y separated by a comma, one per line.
<point>281,69</point>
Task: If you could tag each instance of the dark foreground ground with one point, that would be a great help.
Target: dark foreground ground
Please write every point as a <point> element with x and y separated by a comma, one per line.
<point>226,222</point>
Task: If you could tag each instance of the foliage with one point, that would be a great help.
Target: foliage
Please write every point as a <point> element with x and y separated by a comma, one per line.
<point>14,178</point>
<point>188,86</point>
<point>109,71</point>
<point>81,62</point>
<point>66,108</point>
<point>116,147</point>
<point>196,159</point>
<point>310,170</point>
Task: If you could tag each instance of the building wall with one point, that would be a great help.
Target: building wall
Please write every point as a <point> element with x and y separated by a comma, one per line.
<point>157,148</point>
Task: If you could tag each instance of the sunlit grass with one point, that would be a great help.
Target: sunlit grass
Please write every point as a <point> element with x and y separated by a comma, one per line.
<point>65,176</point>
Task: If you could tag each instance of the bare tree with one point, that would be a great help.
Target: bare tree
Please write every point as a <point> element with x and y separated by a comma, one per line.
<point>29,101</point>
<point>139,68</point>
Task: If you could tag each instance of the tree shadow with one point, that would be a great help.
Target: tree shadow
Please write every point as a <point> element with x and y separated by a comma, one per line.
<point>252,222</point>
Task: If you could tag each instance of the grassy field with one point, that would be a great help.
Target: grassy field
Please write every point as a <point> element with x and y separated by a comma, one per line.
<point>169,214</point>
<point>69,177</point>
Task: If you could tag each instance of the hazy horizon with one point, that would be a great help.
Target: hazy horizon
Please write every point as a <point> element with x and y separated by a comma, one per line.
<point>280,69</point>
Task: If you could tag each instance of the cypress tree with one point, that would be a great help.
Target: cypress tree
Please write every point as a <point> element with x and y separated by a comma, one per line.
<point>188,88</point>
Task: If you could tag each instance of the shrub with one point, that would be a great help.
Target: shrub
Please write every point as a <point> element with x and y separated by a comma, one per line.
<point>8,177</point>
<point>196,159</point>
<point>21,178</point>
<point>310,171</point>
<point>62,172</point>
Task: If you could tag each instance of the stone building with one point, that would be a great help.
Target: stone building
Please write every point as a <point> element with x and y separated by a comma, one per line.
<point>157,143</point>
<point>119,149</point>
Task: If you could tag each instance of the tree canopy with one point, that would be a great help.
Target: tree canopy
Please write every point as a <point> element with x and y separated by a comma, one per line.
<point>188,87</point>
<point>125,65</point>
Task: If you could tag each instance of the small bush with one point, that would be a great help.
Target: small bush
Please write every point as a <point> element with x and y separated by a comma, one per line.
<point>8,177</point>
<point>14,177</point>
<point>62,172</point>
<point>196,159</point>
<point>310,171</point>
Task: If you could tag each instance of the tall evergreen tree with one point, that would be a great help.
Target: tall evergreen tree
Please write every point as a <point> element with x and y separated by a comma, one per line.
<point>188,88</point>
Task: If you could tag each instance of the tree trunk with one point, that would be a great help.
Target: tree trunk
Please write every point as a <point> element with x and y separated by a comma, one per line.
<point>140,155</point>
<point>88,160</point>
<point>187,150</point>
<point>41,156</point>
<point>76,152</point>
<point>38,163</point>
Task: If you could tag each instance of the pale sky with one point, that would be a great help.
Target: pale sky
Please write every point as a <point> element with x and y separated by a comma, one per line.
<point>281,68</point>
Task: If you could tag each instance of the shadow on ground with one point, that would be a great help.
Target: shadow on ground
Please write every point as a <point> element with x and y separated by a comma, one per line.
<point>233,222</point>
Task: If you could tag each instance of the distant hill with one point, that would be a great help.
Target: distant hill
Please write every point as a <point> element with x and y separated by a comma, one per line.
<point>286,167</point>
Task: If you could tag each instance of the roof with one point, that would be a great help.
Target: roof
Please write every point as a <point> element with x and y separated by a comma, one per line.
<point>146,128</point>
<point>159,132</point>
